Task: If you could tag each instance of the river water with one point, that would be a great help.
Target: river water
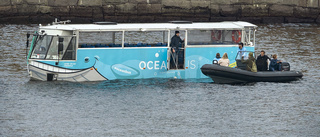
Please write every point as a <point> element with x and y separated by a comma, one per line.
<point>165,107</point>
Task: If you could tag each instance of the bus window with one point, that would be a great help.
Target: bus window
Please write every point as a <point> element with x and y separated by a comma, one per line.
<point>101,39</point>
<point>145,38</point>
<point>214,37</point>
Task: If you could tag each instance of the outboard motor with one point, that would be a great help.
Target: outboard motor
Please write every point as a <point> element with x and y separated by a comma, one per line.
<point>285,66</point>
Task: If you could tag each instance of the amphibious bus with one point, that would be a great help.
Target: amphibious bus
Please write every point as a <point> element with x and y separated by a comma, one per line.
<point>109,50</point>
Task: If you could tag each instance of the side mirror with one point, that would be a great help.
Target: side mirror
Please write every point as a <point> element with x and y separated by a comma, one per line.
<point>60,45</point>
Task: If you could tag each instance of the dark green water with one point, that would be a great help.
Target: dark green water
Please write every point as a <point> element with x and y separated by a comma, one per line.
<point>165,107</point>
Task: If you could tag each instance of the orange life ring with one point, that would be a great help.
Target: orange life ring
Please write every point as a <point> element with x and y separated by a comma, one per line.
<point>213,35</point>
<point>239,36</point>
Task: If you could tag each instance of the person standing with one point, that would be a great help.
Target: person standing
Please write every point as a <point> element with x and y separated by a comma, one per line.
<point>241,49</point>
<point>224,61</point>
<point>175,42</point>
<point>262,61</point>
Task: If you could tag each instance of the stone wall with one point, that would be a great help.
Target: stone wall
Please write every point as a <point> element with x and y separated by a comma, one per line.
<point>86,11</point>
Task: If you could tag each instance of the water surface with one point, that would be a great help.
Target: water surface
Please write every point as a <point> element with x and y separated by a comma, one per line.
<point>165,107</point>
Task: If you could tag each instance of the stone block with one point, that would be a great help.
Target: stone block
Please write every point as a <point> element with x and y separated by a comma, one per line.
<point>140,19</point>
<point>301,12</point>
<point>298,20</point>
<point>60,11</point>
<point>109,10</point>
<point>272,19</point>
<point>108,2</point>
<point>280,10</point>
<point>230,10</point>
<point>110,18</point>
<point>166,19</point>
<point>313,3</point>
<point>15,20</point>
<point>41,19</point>
<point>146,9</point>
<point>5,11</point>
<point>175,11</point>
<point>200,3</point>
<point>90,2</point>
<point>44,9</point>
<point>251,19</point>
<point>318,20</point>
<point>127,9</point>
<point>220,19</point>
<point>97,13</point>
<point>37,2</point>
<point>138,1</point>
<point>214,10</point>
<point>279,2</point>
<point>302,3</point>
<point>196,19</point>
<point>85,12</point>
<point>62,3</point>
<point>119,18</point>
<point>25,9</point>
<point>155,1</point>
<point>16,2</point>
<point>5,2</point>
<point>201,12</point>
<point>218,2</point>
<point>256,10</point>
<point>242,2</point>
<point>184,4</point>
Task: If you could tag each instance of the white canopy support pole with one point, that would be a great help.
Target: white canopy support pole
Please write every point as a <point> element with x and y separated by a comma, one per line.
<point>249,36</point>
<point>113,37</point>
<point>122,39</point>
<point>254,37</point>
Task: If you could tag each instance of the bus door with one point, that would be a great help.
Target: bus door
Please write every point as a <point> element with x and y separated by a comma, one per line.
<point>176,59</point>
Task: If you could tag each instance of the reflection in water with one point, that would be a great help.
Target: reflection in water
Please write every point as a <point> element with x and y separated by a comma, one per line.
<point>164,107</point>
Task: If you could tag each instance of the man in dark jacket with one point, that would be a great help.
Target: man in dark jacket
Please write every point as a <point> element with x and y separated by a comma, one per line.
<point>175,42</point>
<point>262,64</point>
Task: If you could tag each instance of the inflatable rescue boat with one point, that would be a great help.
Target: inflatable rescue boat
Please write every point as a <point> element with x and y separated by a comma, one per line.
<point>222,74</point>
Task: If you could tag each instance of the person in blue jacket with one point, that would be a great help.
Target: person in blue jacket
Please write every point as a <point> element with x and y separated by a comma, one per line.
<point>275,64</point>
<point>241,49</point>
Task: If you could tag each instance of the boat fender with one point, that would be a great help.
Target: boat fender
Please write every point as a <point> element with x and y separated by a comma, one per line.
<point>213,35</point>
<point>215,62</point>
<point>233,36</point>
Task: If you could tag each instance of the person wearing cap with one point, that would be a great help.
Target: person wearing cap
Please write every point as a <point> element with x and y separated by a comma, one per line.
<point>251,65</point>
<point>262,61</point>
<point>175,42</point>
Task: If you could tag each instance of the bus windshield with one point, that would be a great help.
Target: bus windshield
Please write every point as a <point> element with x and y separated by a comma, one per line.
<point>46,47</point>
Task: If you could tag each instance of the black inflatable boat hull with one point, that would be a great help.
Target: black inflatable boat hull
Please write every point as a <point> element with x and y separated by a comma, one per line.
<point>221,74</point>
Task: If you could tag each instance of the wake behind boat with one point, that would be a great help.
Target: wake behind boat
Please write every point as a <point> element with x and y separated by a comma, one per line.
<point>221,74</point>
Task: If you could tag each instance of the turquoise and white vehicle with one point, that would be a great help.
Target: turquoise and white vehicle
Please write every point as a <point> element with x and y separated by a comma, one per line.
<point>108,51</point>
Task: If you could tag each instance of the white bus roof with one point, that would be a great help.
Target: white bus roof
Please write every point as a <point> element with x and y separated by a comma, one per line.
<point>152,26</point>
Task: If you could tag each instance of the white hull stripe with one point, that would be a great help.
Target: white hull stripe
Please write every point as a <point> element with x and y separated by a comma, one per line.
<point>52,68</point>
